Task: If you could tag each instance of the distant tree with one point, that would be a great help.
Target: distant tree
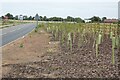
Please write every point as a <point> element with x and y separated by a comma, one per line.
<point>69,18</point>
<point>16,17</point>
<point>44,18</point>
<point>103,19</point>
<point>33,18</point>
<point>2,17</point>
<point>83,21</point>
<point>10,16</point>
<point>55,19</point>
<point>41,18</point>
<point>30,18</point>
<point>78,20</point>
<point>95,19</point>
<point>25,18</point>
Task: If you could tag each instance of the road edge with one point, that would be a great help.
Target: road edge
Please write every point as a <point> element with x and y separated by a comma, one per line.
<point>17,38</point>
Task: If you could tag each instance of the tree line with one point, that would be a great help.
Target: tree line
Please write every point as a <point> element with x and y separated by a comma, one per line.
<point>44,18</point>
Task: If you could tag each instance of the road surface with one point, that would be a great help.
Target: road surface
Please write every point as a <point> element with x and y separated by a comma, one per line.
<point>12,33</point>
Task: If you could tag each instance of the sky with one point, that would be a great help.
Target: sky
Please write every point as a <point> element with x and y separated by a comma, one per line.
<point>61,8</point>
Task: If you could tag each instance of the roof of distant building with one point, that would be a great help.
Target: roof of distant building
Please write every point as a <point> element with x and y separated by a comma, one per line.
<point>110,20</point>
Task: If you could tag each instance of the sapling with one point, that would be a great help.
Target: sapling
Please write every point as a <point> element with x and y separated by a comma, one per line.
<point>113,51</point>
<point>21,45</point>
<point>117,42</point>
<point>56,33</point>
<point>70,41</point>
<point>62,39</point>
<point>36,30</point>
<point>111,34</point>
<point>47,29</point>
<point>98,41</point>
<point>80,40</point>
<point>96,50</point>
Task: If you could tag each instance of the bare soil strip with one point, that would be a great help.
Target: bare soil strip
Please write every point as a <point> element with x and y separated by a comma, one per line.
<point>36,56</point>
<point>28,49</point>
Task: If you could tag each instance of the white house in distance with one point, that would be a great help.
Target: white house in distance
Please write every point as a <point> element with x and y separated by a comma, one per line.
<point>20,17</point>
<point>87,20</point>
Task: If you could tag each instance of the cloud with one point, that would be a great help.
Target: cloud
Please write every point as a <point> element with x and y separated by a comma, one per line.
<point>61,8</point>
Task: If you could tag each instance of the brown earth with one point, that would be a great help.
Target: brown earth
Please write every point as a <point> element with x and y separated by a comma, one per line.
<point>41,58</point>
<point>27,49</point>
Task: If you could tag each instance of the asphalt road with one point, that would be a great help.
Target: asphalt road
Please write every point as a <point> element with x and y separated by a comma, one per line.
<point>12,33</point>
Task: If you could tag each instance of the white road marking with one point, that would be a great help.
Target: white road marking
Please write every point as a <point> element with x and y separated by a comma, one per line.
<point>11,31</point>
<point>16,39</point>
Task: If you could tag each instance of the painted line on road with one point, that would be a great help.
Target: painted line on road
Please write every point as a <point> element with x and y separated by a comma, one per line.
<point>17,39</point>
<point>14,26</point>
<point>13,30</point>
<point>10,31</point>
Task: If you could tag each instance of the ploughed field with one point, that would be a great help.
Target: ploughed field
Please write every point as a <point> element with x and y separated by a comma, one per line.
<point>85,51</point>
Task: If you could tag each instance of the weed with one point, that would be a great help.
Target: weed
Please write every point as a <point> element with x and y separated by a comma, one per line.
<point>21,45</point>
